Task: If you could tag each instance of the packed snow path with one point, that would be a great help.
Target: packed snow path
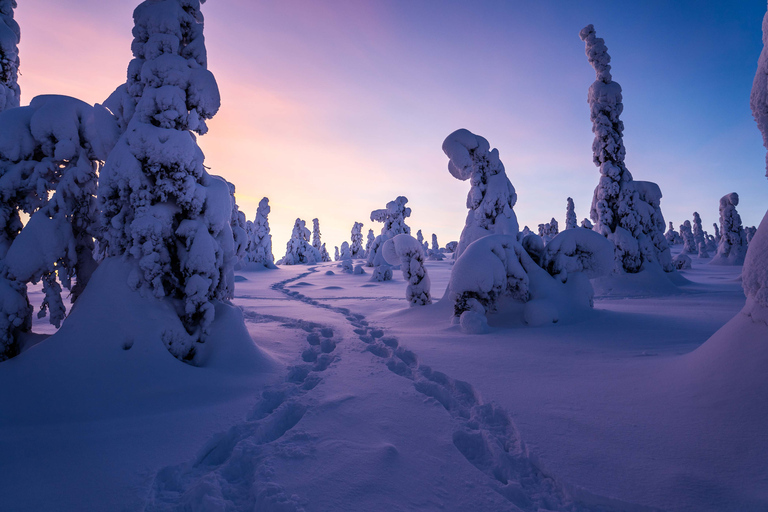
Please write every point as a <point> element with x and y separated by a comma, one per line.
<point>237,470</point>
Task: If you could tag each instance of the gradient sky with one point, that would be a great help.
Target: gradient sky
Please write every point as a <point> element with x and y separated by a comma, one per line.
<point>331,109</point>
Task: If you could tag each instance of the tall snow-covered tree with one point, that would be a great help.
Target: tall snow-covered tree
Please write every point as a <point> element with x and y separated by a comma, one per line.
<point>686,232</point>
<point>160,208</point>
<point>717,232</point>
<point>298,249</point>
<point>316,243</point>
<point>420,237</point>
<point>356,248</point>
<point>732,248</point>
<point>393,217</point>
<point>50,153</point>
<point>570,215</point>
<point>491,198</point>
<point>698,231</point>
<point>625,211</point>
<point>259,248</point>
<point>369,243</point>
<point>239,228</point>
<point>10,35</point>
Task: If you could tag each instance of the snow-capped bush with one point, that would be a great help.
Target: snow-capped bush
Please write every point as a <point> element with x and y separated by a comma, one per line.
<point>586,224</point>
<point>298,250</point>
<point>578,250</point>
<point>686,232</point>
<point>357,241</point>
<point>406,251</point>
<point>672,236</point>
<point>10,36</point>
<point>259,248</point>
<point>534,246</point>
<point>345,257</point>
<point>524,233</point>
<point>733,242</point>
<point>393,217</point>
<point>491,198</point>
<point>682,261</point>
<point>570,215</point>
<point>50,153</point>
<point>625,211</point>
<point>159,206</point>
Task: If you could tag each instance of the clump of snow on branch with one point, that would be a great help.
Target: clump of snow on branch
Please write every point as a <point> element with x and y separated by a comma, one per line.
<point>10,35</point>
<point>491,198</point>
<point>298,250</point>
<point>732,248</point>
<point>570,215</point>
<point>625,211</point>
<point>406,251</point>
<point>259,248</point>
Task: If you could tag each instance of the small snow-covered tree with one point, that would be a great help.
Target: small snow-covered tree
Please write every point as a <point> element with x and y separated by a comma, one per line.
<point>393,217</point>
<point>686,233</point>
<point>625,211</point>
<point>491,198</point>
<point>10,35</point>
<point>259,249</point>
<point>717,232</point>
<point>703,250</point>
<point>672,236</point>
<point>336,253</point>
<point>161,210</point>
<point>239,229</point>
<point>356,248</point>
<point>406,251</point>
<point>549,230</point>
<point>316,243</point>
<point>346,258</point>
<point>698,231</point>
<point>451,246</point>
<point>586,224</point>
<point>369,243</point>
<point>298,250</point>
<point>324,256</point>
<point>420,237</point>
<point>434,254</point>
<point>570,215</point>
<point>711,243</point>
<point>733,242</point>
<point>435,245</point>
<point>749,233</point>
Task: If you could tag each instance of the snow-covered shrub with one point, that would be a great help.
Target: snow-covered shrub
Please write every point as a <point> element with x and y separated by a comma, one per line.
<point>259,248</point>
<point>625,211</point>
<point>346,258</point>
<point>733,242</point>
<point>549,230</point>
<point>672,236</point>
<point>524,233</point>
<point>682,261</point>
<point>298,250</point>
<point>357,241</point>
<point>160,209</point>
<point>586,224</point>
<point>10,35</point>
<point>578,250</point>
<point>689,243</point>
<point>491,198</point>
<point>451,246</point>
<point>749,233</point>
<point>50,153</point>
<point>698,231</point>
<point>570,215</point>
<point>393,217</point>
<point>406,251</point>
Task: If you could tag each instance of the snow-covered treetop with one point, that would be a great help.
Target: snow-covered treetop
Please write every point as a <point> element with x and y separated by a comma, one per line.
<point>597,53</point>
<point>10,35</point>
<point>393,217</point>
<point>759,97</point>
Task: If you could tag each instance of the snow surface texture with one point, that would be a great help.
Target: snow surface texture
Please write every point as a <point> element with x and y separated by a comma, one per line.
<point>497,275</point>
<point>627,212</point>
<point>733,243</point>
<point>491,198</point>
<point>406,251</point>
<point>160,207</point>
<point>259,249</point>
<point>50,152</point>
<point>10,35</point>
<point>298,250</point>
<point>393,217</point>
<point>570,215</point>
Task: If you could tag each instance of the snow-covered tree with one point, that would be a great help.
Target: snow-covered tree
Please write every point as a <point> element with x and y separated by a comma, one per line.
<point>686,233</point>
<point>703,250</point>
<point>10,35</point>
<point>393,217</point>
<point>50,154</point>
<point>316,243</point>
<point>698,231</point>
<point>717,232</point>
<point>420,237</point>
<point>298,250</point>
<point>682,261</point>
<point>434,254</point>
<point>586,224</point>
<point>239,229</point>
<point>451,246</point>
<point>711,243</point>
<point>435,245</point>
<point>491,198</point>
<point>749,233</point>
<point>336,253</point>
<point>161,210</point>
<point>324,256</point>
<point>672,236</point>
<point>259,249</point>
<point>369,243</point>
<point>733,242</point>
<point>625,211</point>
<point>406,251</point>
<point>357,241</point>
<point>346,258</point>
<point>570,215</point>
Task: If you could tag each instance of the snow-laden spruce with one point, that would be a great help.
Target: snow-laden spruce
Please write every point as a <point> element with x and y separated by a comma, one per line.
<point>434,253</point>
<point>239,229</point>
<point>10,35</point>
<point>672,236</point>
<point>50,154</point>
<point>259,249</point>
<point>686,233</point>
<point>586,224</point>
<point>160,209</point>
<point>491,198</point>
<point>420,237</point>
<point>393,217</point>
<point>316,243</point>
<point>570,215</point>
<point>749,233</point>
<point>697,230</point>
<point>451,246</point>
<point>298,250</point>
<point>356,248</point>
<point>345,256</point>
<point>732,247</point>
<point>627,212</point>
<point>369,243</point>
<point>549,230</point>
<point>406,251</point>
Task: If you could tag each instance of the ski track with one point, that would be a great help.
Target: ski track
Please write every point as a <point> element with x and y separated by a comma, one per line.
<point>233,471</point>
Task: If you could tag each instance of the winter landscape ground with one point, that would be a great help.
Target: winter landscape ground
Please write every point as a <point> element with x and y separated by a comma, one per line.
<point>178,362</point>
